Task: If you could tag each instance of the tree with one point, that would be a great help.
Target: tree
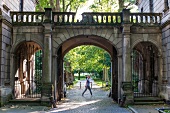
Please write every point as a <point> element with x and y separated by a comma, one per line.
<point>112,5</point>
<point>60,5</point>
<point>75,5</point>
<point>88,58</point>
<point>126,4</point>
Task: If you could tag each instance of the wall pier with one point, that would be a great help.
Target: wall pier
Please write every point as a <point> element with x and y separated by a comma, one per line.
<point>47,60</point>
<point>126,60</point>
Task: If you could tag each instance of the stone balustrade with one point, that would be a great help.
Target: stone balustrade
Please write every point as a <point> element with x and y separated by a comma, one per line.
<point>91,18</point>
<point>27,18</point>
<point>87,18</point>
<point>145,18</point>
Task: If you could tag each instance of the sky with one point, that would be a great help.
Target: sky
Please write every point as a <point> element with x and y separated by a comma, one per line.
<point>85,8</point>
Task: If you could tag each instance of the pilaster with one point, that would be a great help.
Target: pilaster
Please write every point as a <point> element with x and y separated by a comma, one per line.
<point>127,92</point>
<point>47,59</point>
<point>119,75</point>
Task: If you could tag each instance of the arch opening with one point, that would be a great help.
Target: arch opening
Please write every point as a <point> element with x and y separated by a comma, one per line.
<point>27,70</point>
<point>145,69</point>
<point>88,41</point>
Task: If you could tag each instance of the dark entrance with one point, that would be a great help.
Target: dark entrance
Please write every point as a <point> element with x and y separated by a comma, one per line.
<point>145,70</point>
<point>28,70</point>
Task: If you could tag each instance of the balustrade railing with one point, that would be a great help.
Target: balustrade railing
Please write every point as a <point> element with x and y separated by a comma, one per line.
<point>86,18</point>
<point>89,18</point>
<point>27,17</point>
<point>145,18</point>
<point>64,17</point>
<point>101,18</point>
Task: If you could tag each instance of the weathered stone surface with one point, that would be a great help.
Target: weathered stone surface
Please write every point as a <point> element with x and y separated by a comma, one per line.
<point>122,37</point>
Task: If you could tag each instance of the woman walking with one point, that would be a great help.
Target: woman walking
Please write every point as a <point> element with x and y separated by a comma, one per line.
<point>87,86</point>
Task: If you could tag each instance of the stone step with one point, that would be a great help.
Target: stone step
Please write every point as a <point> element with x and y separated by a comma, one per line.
<point>26,101</point>
<point>148,100</point>
<point>148,103</point>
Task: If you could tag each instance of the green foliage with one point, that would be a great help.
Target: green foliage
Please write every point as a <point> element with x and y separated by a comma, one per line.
<point>102,84</point>
<point>112,5</point>
<point>37,80</point>
<point>64,5</point>
<point>96,5</point>
<point>104,6</point>
<point>43,4</point>
<point>38,71</point>
<point>167,111</point>
<point>88,58</point>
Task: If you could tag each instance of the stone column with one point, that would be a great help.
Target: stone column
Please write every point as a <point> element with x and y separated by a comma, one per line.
<point>47,58</point>
<point>54,76</point>
<point>12,74</point>
<point>162,81</point>
<point>126,58</point>
<point>119,76</point>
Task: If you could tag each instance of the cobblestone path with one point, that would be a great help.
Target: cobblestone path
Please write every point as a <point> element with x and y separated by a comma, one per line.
<point>98,103</point>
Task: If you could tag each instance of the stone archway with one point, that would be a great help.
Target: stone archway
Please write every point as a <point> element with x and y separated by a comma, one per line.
<point>88,40</point>
<point>27,70</point>
<point>145,69</point>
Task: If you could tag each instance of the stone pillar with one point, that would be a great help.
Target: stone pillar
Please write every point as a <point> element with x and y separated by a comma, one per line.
<point>12,69</point>
<point>162,81</point>
<point>119,75</point>
<point>126,58</point>
<point>47,59</point>
<point>54,76</point>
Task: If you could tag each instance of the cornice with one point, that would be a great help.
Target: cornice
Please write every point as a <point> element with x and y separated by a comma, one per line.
<point>4,18</point>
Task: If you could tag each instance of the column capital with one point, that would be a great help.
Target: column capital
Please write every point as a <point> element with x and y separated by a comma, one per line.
<point>126,28</point>
<point>47,28</point>
<point>119,55</point>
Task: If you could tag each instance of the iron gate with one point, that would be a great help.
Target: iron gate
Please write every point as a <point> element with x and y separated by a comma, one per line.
<point>144,77</point>
<point>29,71</point>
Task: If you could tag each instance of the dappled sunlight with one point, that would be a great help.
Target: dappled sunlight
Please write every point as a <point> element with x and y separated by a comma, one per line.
<point>75,101</point>
<point>74,105</point>
<point>4,109</point>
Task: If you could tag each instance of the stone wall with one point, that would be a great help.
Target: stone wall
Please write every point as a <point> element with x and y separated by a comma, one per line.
<point>13,5</point>
<point>5,46</point>
<point>5,43</point>
<point>158,6</point>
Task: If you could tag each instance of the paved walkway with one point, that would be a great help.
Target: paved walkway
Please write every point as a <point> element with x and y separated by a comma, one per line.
<point>98,103</point>
<point>147,108</point>
<point>76,103</point>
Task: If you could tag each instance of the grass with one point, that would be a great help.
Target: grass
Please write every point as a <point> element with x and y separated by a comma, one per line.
<point>76,81</point>
<point>102,84</point>
<point>98,81</point>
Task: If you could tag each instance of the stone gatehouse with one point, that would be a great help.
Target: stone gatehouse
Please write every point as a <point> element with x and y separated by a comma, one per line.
<point>33,45</point>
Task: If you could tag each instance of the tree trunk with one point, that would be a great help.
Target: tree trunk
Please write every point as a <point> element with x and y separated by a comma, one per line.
<point>63,5</point>
<point>121,5</point>
<point>58,5</point>
<point>79,75</point>
<point>52,5</point>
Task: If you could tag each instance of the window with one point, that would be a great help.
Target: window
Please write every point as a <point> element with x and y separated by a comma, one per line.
<point>142,10</point>
<point>151,5</point>
<point>21,5</point>
<point>166,5</point>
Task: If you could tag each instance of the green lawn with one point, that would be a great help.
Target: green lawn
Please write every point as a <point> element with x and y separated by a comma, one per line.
<point>98,81</point>
<point>102,84</point>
